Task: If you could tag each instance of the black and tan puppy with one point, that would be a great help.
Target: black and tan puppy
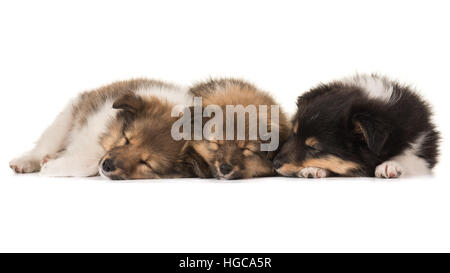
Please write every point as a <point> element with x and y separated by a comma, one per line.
<point>240,158</point>
<point>360,126</point>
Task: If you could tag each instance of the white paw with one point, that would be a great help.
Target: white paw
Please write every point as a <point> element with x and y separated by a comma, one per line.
<point>47,158</point>
<point>25,164</point>
<point>53,168</point>
<point>388,169</point>
<point>66,166</point>
<point>313,172</point>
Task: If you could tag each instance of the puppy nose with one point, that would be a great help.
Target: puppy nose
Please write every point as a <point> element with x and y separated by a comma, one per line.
<point>277,163</point>
<point>108,165</point>
<point>225,168</point>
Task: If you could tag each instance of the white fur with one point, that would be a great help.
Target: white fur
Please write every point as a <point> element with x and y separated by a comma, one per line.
<point>407,163</point>
<point>84,151</point>
<point>176,95</point>
<point>51,141</point>
<point>389,169</point>
<point>374,86</point>
<point>75,150</point>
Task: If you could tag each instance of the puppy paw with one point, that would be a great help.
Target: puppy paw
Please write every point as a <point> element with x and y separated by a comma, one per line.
<point>65,167</point>
<point>388,169</point>
<point>25,164</point>
<point>47,158</point>
<point>54,167</point>
<point>313,172</point>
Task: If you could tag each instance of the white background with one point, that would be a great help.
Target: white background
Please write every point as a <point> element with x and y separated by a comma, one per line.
<point>52,50</point>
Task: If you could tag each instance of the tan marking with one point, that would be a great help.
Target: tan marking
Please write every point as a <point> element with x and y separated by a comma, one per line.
<point>213,146</point>
<point>252,146</point>
<point>202,149</point>
<point>289,169</point>
<point>311,141</point>
<point>146,156</point>
<point>255,167</point>
<point>360,130</point>
<point>295,128</point>
<point>241,144</point>
<point>153,163</point>
<point>185,146</point>
<point>247,152</point>
<point>332,163</point>
<point>216,164</point>
<point>127,136</point>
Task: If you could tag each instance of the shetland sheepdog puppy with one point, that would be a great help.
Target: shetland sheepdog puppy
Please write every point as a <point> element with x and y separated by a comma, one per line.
<point>120,131</point>
<point>238,158</point>
<point>365,125</point>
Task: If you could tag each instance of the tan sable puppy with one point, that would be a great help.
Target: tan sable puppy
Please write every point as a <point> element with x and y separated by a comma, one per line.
<point>120,131</point>
<point>242,157</point>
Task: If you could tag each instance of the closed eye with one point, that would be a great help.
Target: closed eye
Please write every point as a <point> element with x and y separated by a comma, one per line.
<point>143,162</point>
<point>127,140</point>
<point>314,149</point>
<point>250,151</point>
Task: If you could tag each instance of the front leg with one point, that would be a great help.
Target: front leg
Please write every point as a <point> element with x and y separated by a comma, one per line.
<point>389,169</point>
<point>70,166</point>
<point>28,163</point>
<point>313,172</point>
<point>50,143</point>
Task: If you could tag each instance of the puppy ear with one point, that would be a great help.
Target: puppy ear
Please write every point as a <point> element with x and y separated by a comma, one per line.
<point>195,163</point>
<point>130,103</point>
<point>375,132</point>
<point>198,130</point>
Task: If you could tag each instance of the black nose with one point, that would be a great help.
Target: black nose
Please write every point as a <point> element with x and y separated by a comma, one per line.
<point>108,165</point>
<point>277,163</point>
<point>225,168</point>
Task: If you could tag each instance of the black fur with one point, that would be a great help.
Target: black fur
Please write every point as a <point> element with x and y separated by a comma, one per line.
<point>350,125</point>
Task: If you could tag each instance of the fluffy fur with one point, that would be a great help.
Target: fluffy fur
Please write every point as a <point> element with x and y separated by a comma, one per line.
<point>121,131</point>
<point>365,125</point>
<point>236,159</point>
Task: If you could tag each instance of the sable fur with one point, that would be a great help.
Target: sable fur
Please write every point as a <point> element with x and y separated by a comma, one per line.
<point>127,122</point>
<point>242,157</point>
<point>140,144</point>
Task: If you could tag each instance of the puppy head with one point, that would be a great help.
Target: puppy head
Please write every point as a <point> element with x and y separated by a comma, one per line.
<point>139,143</point>
<point>335,133</point>
<point>234,159</point>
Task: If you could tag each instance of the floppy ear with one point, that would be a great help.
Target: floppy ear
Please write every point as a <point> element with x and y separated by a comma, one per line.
<point>200,119</point>
<point>130,103</point>
<point>195,163</point>
<point>375,132</point>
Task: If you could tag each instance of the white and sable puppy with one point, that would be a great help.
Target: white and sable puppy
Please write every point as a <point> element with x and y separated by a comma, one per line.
<point>365,125</point>
<point>121,131</point>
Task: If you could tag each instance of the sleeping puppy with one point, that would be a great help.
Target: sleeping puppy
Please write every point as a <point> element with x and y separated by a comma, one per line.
<point>239,158</point>
<point>120,131</point>
<point>360,126</point>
